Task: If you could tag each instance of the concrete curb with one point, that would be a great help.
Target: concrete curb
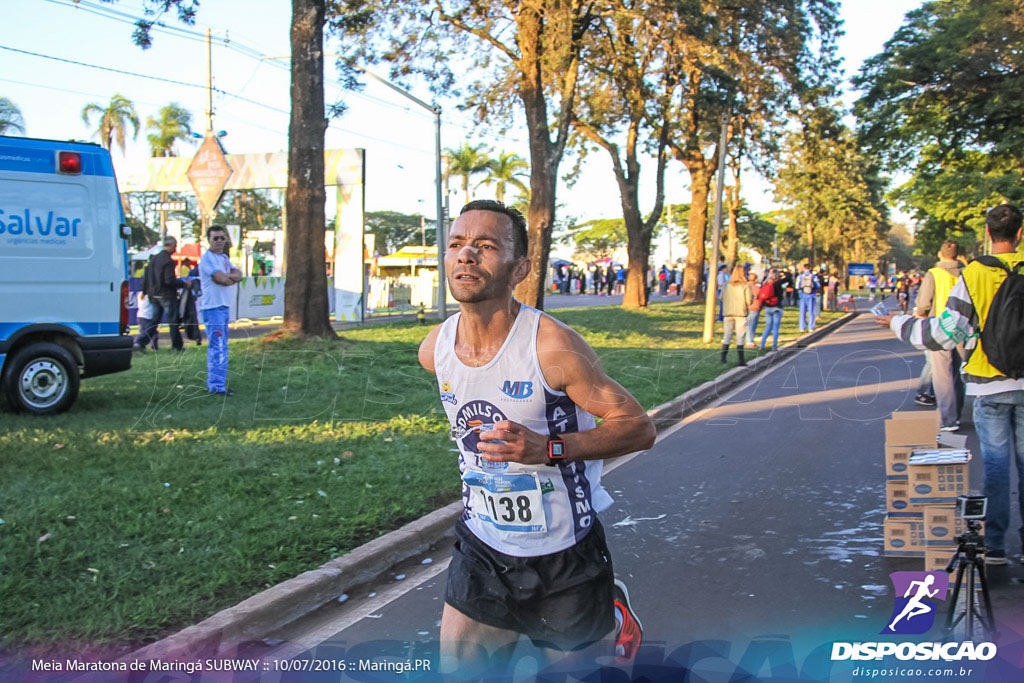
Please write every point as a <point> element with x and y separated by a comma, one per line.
<point>265,612</point>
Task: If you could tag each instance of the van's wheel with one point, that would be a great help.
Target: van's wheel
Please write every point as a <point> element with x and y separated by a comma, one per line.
<point>41,378</point>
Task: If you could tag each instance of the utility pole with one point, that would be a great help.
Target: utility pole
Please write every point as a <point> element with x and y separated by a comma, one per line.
<point>712,289</point>
<point>209,83</point>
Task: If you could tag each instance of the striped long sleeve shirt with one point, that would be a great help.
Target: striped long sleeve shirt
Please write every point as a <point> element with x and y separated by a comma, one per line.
<point>957,324</point>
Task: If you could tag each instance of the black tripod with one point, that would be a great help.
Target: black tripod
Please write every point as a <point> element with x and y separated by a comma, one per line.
<point>968,557</point>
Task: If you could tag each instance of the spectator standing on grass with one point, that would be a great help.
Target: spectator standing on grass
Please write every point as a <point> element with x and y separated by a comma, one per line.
<point>721,280</point>
<point>788,288</point>
<point>807,284</point>
<point>530,556</point>
<point>736,300</point>
<point>771,295</point>
<point>160,284</point>
<point>147,326</point>
<point>931,300</point>
<point>218,277</point>
<point>754,310</point>
<point>998,397</point>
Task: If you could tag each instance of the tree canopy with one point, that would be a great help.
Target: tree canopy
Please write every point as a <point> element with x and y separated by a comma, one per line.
<point>942,102</point>
<point>174,123</point>
<point>113,121</point>
<point>393,230</point>
<point>11,119</point>
<point>830,192</point>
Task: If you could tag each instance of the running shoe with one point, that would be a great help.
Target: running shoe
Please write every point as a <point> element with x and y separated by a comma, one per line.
<point>924,400</point>
<point>630,632</point>
<point>950,428</point>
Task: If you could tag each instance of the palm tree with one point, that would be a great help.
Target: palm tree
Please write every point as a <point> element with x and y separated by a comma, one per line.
<point>113,120</point>
<point>505,171</point>
<point>175,123</point>
<point>467,161</point>
<point>10,117</point>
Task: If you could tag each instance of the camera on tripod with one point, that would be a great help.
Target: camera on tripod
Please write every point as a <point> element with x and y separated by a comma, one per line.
<point>971,507</point>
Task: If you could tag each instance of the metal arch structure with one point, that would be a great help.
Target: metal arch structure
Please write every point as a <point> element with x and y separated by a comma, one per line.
<point>344,169</point>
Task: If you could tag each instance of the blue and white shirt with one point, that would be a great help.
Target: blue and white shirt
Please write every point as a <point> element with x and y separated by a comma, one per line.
<point>520,510</point>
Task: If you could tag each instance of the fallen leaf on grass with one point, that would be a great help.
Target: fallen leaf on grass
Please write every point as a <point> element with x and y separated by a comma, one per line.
<point>347,454</point>
<point>57,446</point>
<point>45,537</point>
<point>293,517</point>
<point>320,492</point>
<point>168,436</point>
<point>92,571</point>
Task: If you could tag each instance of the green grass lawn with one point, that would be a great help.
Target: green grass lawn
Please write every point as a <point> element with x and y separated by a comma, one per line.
<point>150,505</point>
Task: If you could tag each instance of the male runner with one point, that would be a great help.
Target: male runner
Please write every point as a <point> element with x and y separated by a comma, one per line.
<point>521,391</point>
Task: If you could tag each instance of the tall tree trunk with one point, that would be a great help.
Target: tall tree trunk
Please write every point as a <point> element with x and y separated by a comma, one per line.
<point>697,225</point>
<point>545,153</point>
<point>810,244</point>
<point>638,244</point>
<point>306,309</point>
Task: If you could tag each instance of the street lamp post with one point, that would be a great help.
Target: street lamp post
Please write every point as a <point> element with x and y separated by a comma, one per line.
<point>442,287</point>
<point>712,288</point>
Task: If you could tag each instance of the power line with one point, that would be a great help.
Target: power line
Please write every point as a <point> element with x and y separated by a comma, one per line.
<point>240,48</point>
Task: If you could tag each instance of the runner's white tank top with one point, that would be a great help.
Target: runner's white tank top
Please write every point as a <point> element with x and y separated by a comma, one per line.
<point>521,510</point>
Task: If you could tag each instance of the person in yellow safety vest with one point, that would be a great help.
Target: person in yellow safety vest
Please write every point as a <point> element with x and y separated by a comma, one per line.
<point>945,365</point>
<point>998,399</point>
<point>421,314</point>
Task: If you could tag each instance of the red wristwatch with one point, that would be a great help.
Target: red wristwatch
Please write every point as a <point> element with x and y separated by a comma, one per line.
<point>556,452</point>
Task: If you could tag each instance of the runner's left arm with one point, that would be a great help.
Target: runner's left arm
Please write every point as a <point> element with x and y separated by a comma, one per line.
<point>570,365</point>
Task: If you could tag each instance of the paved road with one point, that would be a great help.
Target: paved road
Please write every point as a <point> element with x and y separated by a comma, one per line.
<point>752,532</point>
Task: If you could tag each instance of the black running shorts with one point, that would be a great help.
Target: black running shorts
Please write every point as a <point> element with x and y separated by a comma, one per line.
<point>561,601</point>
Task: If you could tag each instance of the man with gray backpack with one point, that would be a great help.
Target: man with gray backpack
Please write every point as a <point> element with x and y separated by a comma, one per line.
<point>985,312</point>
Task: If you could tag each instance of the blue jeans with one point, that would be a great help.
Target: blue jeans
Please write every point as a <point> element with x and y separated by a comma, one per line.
<point>162,306</point>
<point>949,387</point>
<point>772,321</point>
<point>999,421</point>
<point>752,318</point>
<point>807,304</point>
<point>924,385</point>
<point>216,321</point>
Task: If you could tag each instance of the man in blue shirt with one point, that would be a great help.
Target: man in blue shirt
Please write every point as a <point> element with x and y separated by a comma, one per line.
<point>218,279</point>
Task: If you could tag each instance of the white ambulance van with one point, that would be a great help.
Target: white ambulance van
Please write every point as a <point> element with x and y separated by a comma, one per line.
<point>63,272</point>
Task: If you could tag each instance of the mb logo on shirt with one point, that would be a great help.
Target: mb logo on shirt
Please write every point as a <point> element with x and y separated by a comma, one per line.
<point>520,390</point>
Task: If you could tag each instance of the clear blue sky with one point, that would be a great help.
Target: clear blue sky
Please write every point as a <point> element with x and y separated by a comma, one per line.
<point>397,135</point>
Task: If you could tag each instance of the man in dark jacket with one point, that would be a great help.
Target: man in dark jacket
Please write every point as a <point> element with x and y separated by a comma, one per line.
<point>161,285</point>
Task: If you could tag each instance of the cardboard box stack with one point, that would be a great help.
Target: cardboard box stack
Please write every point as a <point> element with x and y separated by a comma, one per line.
<point>920,516</point>
<point>904,519</point>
